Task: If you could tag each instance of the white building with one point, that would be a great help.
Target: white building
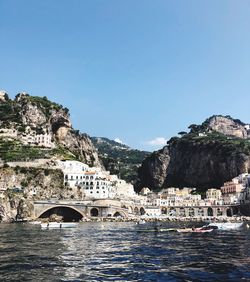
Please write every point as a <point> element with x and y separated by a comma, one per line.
<point>152,211</point>
<point>96,185</point>
<point>214,196</point>
<point>6,132</point>
<point>93,182</point>
<point>44,140</point>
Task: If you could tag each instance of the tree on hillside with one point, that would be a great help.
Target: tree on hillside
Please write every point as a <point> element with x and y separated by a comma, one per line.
<point>182,133</point>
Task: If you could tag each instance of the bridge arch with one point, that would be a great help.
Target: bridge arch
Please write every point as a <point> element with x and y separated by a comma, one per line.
<point>67,213</point>
<point>94,212</point>
<point>119,214</point>
<point>191,212</point>
<point>136,210</point>
<point>210,211</point>
<point>142,211</point>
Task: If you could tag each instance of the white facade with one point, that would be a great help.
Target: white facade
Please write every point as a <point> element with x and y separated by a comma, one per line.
<point>153,211</point>
<point>73,166</point>
<point>95,185</point>
<point>93,182</point>
<point>5,132</point>
<point>44,140</point>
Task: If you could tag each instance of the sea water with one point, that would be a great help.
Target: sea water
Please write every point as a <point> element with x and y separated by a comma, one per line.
<point>121,252</point>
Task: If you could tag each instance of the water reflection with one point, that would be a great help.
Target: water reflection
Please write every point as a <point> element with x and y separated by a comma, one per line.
<point>111,251</point>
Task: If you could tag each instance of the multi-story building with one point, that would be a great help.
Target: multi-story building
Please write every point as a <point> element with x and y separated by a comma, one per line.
<point>233,190</point>
<point>213,195</point>
<point>44,140</point>
<point>93,182</point>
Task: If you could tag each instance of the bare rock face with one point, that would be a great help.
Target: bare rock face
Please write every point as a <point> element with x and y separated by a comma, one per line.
<point>36,183</point>
<point>78,144</point>
<point>227,126</point>
<point>32,115</point>
<point>204,165</point>
<point>153,170</point>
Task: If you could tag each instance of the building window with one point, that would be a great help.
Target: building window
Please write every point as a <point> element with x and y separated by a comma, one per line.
<point>91,177</point>
<point>91,188</point>
<point>87,177</point>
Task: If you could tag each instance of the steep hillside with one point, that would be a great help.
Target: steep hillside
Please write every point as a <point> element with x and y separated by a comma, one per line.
<point>206,157</point>
<point>34,127</point>
<point>22,185</point>
<point>119,158</point>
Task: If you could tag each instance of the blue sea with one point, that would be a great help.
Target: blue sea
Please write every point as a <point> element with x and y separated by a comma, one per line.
<point>121,252</point>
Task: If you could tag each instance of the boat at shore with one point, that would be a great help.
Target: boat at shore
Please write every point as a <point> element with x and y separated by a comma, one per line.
<point>58,225</point>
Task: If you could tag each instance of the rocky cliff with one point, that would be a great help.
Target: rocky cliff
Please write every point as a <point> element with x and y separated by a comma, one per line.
<point>206,157</point>
<point>227,126</point>
<point>30,116</point>
<point>33,128</point>
<point>153,171</point>
<point>23,185</point>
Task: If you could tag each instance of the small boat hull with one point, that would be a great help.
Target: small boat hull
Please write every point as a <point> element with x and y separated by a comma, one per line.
<point>58,225</point>
<point>196,230</point>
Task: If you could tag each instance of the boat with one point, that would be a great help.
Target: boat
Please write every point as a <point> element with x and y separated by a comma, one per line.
<point>226,225</point>
<point>195,230</point>
<point>59,225</point>
<point>157,230</point>
<point>141,221</point>
<point>35,222</point>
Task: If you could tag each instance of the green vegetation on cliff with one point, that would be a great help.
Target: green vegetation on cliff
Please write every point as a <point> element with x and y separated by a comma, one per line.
<point>119,158</point>
<point>8,114</point>
<point>216,140</point>
<point>14,150</point>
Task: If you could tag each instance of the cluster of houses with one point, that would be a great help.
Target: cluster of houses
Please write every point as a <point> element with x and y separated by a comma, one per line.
<point>234,192</point>
<point>98,184</point>
<point>95,183</point>
<point>32,139</point>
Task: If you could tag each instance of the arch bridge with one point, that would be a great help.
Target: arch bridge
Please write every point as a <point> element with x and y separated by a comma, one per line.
<point>75,211</point>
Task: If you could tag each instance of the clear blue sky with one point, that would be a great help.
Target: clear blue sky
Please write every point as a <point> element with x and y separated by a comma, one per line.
<point>134,70</point>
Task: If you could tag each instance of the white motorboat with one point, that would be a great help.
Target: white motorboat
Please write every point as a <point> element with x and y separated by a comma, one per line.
<point>35,222</point>
<point>141,221</point>
<point>226,225</point>
<point>59,225</point>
